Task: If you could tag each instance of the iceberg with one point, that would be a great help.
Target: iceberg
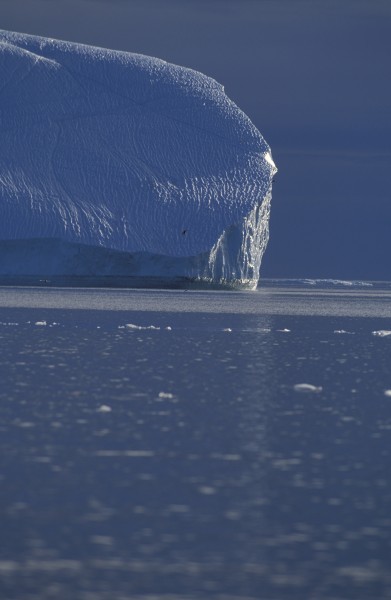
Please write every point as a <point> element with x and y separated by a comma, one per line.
<point>119,164</point>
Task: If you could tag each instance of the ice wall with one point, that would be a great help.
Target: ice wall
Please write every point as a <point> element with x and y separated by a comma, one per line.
<point>126,152</point>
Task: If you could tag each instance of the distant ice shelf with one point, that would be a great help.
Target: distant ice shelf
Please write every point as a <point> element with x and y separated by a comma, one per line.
<point>119,164</point>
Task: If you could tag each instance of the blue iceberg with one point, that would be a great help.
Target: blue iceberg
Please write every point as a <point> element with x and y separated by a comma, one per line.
<point>114,163</point>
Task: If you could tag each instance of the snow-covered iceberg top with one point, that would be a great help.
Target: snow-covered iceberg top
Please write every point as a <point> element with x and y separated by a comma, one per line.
<point>128,153</point>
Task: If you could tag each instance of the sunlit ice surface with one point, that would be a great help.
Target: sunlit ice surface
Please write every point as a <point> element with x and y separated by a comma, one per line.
<point>196,444</point>
<point>123,164</point>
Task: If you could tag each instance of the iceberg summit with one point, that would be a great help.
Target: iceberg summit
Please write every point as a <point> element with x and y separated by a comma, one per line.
<point>115,164</point>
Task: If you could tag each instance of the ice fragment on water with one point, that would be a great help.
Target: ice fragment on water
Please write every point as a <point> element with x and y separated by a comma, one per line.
<point>166,395</point>
<point>381,332</point>
<point>125,453</point>
<point>41,323</point>
<point>104,408</point>
<point>387,393</point>
<point>102,540</point>
<point>139,327</point>
<point>307,387</point>
<point>207,490</point>
<point>342,331</point>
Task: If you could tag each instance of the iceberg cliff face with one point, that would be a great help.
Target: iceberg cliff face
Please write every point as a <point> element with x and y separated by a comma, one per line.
<point>125,152</point>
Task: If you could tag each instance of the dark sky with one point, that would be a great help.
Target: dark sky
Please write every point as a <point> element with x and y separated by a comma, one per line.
<point>315,78</point>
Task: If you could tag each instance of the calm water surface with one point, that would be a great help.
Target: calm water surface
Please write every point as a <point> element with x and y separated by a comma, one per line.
<point>162,446</point>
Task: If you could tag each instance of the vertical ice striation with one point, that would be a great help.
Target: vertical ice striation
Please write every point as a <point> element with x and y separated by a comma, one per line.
<point>237,255</point>
<point>129,154</point>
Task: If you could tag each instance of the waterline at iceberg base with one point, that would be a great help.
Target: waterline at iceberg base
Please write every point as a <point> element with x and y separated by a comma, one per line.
<point>51,261</point>
<point>118,166</point>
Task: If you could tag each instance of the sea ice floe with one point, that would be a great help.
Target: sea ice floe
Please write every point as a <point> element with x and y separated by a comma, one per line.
<point>335,282</point>
<point>307,387</point>
<point>207,490</point>
<point>227,457</point>
<point>139,327</point>
<point>104,408</point>
<point>382,332</point>
<point>125,453</point>
<point>41,323</point>
<point>387,393</point>
<point>343,331</point>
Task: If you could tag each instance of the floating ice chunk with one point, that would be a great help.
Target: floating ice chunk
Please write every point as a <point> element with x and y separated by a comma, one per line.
<point>178,508</point>
<point>207,490</point>
<point>139,327</point>
<point>334,282</point>
<point>166,395</point>
<point>104,408</point>
<point>102,540</point>
<point>387,393</point>
<point>381,333</point>
<point>125,453</point>
<point>228,329</point>
<point>307,387</point>
<point>41,323</point>
<point>284,330</point>
<point>228,457</point>
<point>343,331</point>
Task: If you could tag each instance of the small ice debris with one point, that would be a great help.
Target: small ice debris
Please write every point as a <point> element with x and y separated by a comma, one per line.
<point>335,282</point>
<point>125,453</point>
<point>232,515</point>
<point>165,395</point>
<point>307,387</point>
<point>381,333</point>
<point>343,331</point>
<point>387,393</point>
<point>227,329</point>
<point>284,330</point>
<point>168,328</point>
<point>207,490</point>
<point>104,408</point>
<point>139,327</point>
<point>178,508</point>
<point>102,540</point>
<point>227,457</point>
<point>41,323</point>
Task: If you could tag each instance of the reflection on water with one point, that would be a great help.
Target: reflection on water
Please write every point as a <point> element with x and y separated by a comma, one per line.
<point>158,454</point>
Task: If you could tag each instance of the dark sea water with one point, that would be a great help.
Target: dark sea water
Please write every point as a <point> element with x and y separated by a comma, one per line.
<point>169,445</point>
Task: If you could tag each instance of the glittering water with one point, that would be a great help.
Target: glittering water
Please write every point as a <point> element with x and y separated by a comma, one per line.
<point>195,445</point>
